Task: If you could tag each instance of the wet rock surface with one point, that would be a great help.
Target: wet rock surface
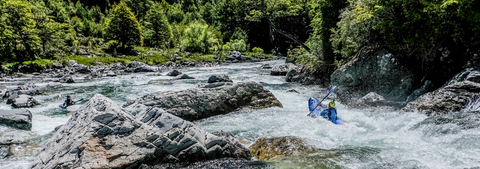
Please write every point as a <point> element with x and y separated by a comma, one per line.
<point>282,70</point>
<point>373,99</point>
<point>103,135</point>
<point>372,70</point>
<point>455,97</point>
<point>22,101</point>
<point>458,94</point>
<point>18,118</point>
<point>174,72</point>
<point>219,78</point>
<point>198,103</point>
<point>279,147</point>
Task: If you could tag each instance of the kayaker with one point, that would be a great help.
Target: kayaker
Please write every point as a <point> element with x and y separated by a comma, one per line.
<point>330,113</point>
<point>68,102</point>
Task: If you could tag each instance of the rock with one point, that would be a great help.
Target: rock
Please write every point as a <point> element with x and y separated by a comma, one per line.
<point>292,90</point>
<point>182,76</point>
<point>265,66</point>
<point>474,76</point>
<point>219,78</point>
<point>102,135</point>
<point>6,144</point>
<point>372,70</point>
<point>3,90</point>
<point>462,76</point>
<point>79,68</point>
<point>174,72</point>
<point>22,101</point>
<point>111,74</point>
<point>198,103</point>
<point>57,65</point>
<point>427,87</point>
<point>146,68</point>
<point>464,95</point>
<point>282,70</point>
<point>118,66</point>
<point>99,63</point>
<point>72,62</point>
<point>217,84</point>
<point>135,64</point>
<point>292,75</point>
<point>236,55</point>
<point>373,99</point>
<point>279,147</point>
<point>178,58</point>
<point>82,52</point>
<point>73,108</point>
<point>67,79</point>
<point>17,118</point>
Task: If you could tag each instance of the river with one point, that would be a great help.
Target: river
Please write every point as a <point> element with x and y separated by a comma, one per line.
<point>371,138</point>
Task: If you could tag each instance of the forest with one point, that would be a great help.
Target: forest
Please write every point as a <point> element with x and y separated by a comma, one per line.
<point>429,34</point>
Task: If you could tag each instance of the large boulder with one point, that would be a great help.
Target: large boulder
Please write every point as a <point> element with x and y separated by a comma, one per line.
<point>219,78</point>
<point>18,118</point>
<point>102,135</point>
<point>372,70</point>
<point>373,99</point>
<point>282,70</point>
<point>459,96</point>
<point>198,103</point>
<point>22,101</point>
<point>182,76</point>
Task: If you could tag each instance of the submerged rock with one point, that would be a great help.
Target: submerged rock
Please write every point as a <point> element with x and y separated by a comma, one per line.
<point>198,103</point>
<point>373,99</point>
<point>219,78</point>
<point>372,70</point>
<point>102,135</point>
<point>279,147</point>
<point>182,76</point>
<point>19,118</point>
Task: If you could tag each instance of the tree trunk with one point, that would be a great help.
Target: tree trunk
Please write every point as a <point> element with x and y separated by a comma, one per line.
<point>289,36</point>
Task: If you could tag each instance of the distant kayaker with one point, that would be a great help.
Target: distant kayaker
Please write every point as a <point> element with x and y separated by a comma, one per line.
<point>68,102</point>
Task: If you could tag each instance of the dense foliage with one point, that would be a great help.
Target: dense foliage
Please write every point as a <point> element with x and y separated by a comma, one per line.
<point>312,32</point>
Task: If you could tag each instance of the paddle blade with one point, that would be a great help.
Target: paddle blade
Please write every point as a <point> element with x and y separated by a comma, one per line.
<point>331,90</point>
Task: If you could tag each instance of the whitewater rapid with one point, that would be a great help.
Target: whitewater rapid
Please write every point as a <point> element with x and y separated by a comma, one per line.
<point>373,138</point>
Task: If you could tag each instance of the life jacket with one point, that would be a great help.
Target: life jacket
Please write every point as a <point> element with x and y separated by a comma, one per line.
<point>329,113</point>
<point>69,102</point>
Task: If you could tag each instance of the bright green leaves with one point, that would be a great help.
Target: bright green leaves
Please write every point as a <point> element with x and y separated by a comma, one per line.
<point>198,37</point>
<point>21,34</point>
<point>123,27</point>
<point>158,31</point>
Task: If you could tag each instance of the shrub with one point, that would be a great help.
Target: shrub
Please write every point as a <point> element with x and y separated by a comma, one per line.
<point>257,52</point>
<point>302,56</point>
<point>237,45</point>
<point>198,38</point>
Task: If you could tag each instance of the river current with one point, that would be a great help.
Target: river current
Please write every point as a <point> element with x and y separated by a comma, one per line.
<point>371,138</point>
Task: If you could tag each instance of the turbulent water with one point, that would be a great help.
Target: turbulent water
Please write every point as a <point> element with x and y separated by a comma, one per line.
<point>379,138</point>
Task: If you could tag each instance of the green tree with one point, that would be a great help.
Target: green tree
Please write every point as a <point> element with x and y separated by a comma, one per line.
<point>123,27</point>
<point>23,36</point>
<point>326,15</point>
<point>278,12</point>
<point>157,25</point>
<point>198,38</point>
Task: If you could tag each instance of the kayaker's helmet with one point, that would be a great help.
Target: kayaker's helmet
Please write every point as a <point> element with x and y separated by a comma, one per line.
<point>332,104</point>
<point>68,97</point>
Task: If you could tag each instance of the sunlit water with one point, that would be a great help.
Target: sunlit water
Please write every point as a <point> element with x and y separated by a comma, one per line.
<point>379,138</point>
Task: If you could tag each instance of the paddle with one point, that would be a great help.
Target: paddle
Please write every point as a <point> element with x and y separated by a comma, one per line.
<point>329,92</point>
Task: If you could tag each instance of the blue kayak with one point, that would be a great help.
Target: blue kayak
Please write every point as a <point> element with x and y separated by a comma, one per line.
<point>312,103</point>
